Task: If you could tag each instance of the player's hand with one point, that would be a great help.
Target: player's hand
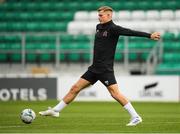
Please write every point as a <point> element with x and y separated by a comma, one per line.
<point>155,36</point>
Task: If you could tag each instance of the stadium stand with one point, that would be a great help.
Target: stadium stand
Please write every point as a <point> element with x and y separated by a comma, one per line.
<point>31,31</point>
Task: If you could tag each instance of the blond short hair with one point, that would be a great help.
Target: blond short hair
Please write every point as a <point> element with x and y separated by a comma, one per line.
<point>105,8</point>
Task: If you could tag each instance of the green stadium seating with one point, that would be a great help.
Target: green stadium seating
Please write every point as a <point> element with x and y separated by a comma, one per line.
<point>62,57</point>
<point>169,36</point>
<point>133,57</point>
<point>87,6</point>
<point>15,46</point>
<point>15,57</point>
<point>31,57</point>
<point>170,46</point>
<point>3,27</point>
<point>130,5</point>
<point>173,5</point>
<point>171,57</point>
<point>90,5</point>
<point>54,15</point>
<point>86,57</point>
<point>45,57</point>
<point>43,38</point>
<point>3,57</point>
<point>144,56</point>
<point>144,5</point>
<point>158,5</point>
<point>30,46</point>
<point>3,46</point>
<point>73,57</point>
<point>118,57</point>
<point>165,69</point>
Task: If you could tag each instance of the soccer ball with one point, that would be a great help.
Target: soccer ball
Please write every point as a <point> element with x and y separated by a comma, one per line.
<point>27,116</point>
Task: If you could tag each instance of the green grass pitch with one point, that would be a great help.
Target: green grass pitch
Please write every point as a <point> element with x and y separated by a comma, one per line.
<point>91,117</point>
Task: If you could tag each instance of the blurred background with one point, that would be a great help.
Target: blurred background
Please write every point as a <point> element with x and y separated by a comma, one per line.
<point>56,37</point>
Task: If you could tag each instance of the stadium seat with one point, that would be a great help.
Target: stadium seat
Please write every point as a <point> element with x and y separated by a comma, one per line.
<point>81,16</point>
<point>4,46</point>
<point>168,36</point>
<point>31,57</point>
<point>138,15</point>
<point>62,57</point>
<point>32,26</point>
<point>178,37</point>
<point>93,16</point>
<point>168,69</point>
<point>152,15</point>
<point>88,6</point>
<point>15,46</point>
<point>116,5</point>
<point>177,14</point>
<point>45,57</point>
<point>3,27</point>
<point>144,5</point>
<point>74,27</point>
<point>3,57</point>
<point>133,57</point>
<point>167,15</point>
<point>118,57</point>
<point>43,38</point>
<point>73,57</point>
<point>158,5</point>
<point>81,38</point>
<point>130,5</point>
<point>86,57</point>
<point>170,46</point>
<point>124,15</point>
<point>15,57</point>
<point>66,38</point>
<point>144,56</point>
<point>171,57</point>
<point>89,28</point>
<point>30,46</point>
<point>171,5</point>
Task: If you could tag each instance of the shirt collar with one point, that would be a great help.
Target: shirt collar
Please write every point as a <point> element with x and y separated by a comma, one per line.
<point>102,26</point>
<point>107,23</point>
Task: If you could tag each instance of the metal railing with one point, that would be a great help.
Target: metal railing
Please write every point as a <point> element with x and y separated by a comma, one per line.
<point>155,56</point>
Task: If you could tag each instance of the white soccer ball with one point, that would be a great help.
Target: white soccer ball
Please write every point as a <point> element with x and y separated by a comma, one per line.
<point>27,116</point>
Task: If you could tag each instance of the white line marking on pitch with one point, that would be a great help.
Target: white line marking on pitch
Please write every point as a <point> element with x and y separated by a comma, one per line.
<point>11,126</point>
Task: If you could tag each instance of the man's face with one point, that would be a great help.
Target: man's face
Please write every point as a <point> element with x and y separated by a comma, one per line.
<point>104,16</point>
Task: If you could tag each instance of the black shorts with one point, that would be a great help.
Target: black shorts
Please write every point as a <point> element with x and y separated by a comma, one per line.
<point>106,78</point>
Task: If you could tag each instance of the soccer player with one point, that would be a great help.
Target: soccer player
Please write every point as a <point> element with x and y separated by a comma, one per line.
<point>106,38</point>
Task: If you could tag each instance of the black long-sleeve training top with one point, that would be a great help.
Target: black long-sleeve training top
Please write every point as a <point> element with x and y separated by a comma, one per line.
<point>105,43</point>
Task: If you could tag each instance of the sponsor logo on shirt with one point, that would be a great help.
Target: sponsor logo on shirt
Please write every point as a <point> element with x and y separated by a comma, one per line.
<point>105,33</point>
<point>106,82</point>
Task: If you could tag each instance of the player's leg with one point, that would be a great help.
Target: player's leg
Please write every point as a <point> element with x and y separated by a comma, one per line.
<point>117,95</point>
<point>87,79</point>
<point>108,79</point>
<point>70,96</point>
<point>75,89</point>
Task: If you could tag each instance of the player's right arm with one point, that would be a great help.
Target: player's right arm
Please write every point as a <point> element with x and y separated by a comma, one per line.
<point>155,36</point>
<point>129,32</point>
